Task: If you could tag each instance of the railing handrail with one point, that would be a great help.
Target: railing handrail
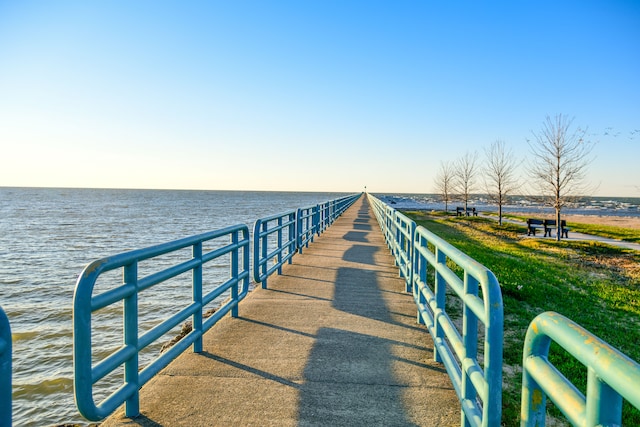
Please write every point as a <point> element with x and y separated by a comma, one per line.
<point>410,246</point>
<point>5,370</point>
<point>85,303</point>
<point>611,377</point>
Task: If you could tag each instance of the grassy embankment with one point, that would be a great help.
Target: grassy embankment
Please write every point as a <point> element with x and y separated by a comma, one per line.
<point>595,285</point>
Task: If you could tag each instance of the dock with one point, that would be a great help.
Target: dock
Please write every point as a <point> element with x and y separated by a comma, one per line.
<point>332,341</point>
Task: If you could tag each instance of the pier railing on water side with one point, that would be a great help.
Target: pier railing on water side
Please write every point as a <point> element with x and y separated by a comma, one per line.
<point>85,304</point>
<point>88,370</point>
<point>612,376</point>
<point>282,229</point>
<point>424,259</point>
<point>5,370</point>
<point>276,238</point>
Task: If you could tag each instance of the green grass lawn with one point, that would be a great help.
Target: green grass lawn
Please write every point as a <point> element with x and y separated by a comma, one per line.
<point>595,285</point>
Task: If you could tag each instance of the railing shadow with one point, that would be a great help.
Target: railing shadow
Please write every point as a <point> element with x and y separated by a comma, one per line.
<point>356,236</point>
<point>349,377</point>
<point>361,254</point>
<point>349,381</point>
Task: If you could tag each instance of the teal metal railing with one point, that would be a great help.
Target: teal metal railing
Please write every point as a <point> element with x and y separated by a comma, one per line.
<point>474,363</point>
<point>128,293</point>
<point>331,210</point>
<point>5,370</point>
<point>611,376</point>
<point>275,240</point>
<point>278,233</point>
<point>437,273</point>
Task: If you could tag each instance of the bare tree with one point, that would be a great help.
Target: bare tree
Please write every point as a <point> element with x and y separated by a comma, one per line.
<point>465,171</point>
<point>560,157</point>
<point>500,174</point>
<point>444,183</point>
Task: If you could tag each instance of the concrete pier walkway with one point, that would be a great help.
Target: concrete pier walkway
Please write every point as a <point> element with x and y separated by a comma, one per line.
<point>332,342</point>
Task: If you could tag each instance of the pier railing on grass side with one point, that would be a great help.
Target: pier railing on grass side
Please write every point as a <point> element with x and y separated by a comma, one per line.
<point>446,283</point>
<point>276,239</point>
<point>611,376</point>
<point>444,277</point>
<point>403,231</point>
<point>5,370</point>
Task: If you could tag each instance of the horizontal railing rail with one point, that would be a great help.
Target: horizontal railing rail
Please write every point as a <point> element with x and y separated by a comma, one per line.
<point>5,370</point>
<point>278,234</point>
<point>424,261</point>
<point>611,376</point>
<point>128,293</point>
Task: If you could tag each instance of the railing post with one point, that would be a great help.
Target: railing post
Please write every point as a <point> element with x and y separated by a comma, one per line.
<point>279,245</point>
<point>604,404</point>
<point>263,254</point>
<point>299,230</point>
<point>234,273</point>
<point>470,342</point>
<point>421,270</point>
<point>316,219</point>
<point>5,370</point>
<point>292,232</point>
<point>132,404</point>
<point>533,406</point>
<point>440,289</point>
<point>411,253</point>
<point>196,318</point>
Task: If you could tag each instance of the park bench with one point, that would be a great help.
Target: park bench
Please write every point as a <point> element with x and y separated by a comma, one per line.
<point>470,211</point>
<point>533,225</point>
<point>550,224</point>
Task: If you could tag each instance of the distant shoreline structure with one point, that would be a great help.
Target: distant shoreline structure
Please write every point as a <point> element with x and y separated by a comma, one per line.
<point>596,206</point>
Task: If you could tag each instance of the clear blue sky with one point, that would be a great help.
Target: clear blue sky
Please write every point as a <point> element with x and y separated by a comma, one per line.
<point>307,95</point>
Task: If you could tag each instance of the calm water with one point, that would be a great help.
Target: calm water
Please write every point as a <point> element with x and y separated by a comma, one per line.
<point>47,236</point>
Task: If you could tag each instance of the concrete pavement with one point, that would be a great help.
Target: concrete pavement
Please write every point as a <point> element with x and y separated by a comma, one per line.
<point>333,341</point>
